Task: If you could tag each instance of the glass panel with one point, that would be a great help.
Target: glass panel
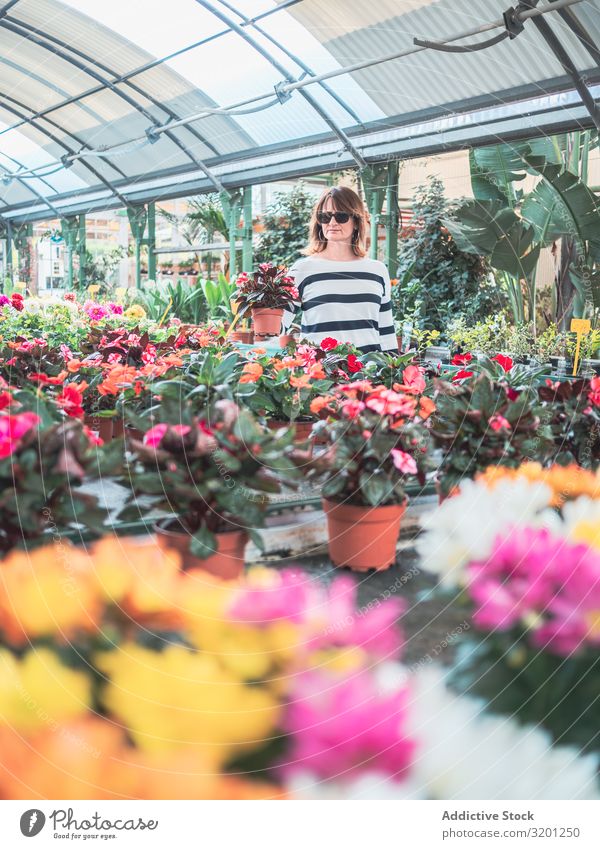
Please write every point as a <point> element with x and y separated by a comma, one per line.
<point>158,28</point>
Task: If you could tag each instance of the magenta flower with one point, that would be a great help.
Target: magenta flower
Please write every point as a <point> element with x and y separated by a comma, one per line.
<point>95,312</point>
<point>115,309</point>
<point>291,597</point>
<point>544,582</point>
<point>339,728</point>
<point>12,428</point>
<point>4,300</point>
<point>156,434</point>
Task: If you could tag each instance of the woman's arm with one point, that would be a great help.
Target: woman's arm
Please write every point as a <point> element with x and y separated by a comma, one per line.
<point>387,331</point>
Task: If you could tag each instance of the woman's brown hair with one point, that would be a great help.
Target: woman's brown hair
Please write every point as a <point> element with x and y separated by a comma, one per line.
<point>344,200</point>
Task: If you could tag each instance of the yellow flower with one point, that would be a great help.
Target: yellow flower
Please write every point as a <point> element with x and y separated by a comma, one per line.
<point>50,591</point>
<point>586,532</point>
<point>39,692</point>
<point>136,312</point>
<point>566,482</point>
<point>179,697</point>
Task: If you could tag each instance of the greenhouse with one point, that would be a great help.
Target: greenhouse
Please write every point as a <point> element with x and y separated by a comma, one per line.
<point>299,401</point>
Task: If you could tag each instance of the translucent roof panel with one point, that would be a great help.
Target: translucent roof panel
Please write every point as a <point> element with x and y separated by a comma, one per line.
<point>116,101</point>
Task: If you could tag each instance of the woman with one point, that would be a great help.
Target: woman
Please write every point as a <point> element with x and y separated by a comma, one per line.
<point>343,294</point>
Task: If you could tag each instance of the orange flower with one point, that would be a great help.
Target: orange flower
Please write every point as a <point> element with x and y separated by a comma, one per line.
<point>318,404</point>
<point>300,382</point>
<point>566,482</point>
<point>426,407</point>
<point>119,377</point>
<point>74,365</point>
<point>251,373</point>
<point>317,372</point>
<point>258,351</point>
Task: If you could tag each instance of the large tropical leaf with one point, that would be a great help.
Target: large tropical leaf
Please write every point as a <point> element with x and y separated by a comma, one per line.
<point>562,205</point>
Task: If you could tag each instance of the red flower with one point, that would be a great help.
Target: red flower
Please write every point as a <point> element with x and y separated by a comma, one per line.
<point>93,437</point>
<point>71,399</point>
<point>462,375</point>
<point>329,343</point>
<point>17,301</point>
<point>354,364</point>
<point>40,377</point>
<point>6,400</point>
<point>498,422</point>
<point>462,359</point>
<point>505,362</point>
<point>512,393</point>
<point>12,428</point>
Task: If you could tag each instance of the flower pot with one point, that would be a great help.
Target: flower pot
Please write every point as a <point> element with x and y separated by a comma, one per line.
<point>133,433</point>
<point>302,429</point>
<point>246,337</point>
<point>101,426</point>
<point>226,563</point>
<point>266,321</point>
<point>363,538</point>
<point>118,428</point>
<point>285,339</point>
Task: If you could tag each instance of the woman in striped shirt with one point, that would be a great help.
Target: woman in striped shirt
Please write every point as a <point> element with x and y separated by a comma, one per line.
<point>343,294</point>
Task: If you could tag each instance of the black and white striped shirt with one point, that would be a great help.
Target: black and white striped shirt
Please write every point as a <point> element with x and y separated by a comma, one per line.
<point>350,301</point>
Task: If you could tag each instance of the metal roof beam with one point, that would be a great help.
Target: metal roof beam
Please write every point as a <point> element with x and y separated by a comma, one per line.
<point>565,60</point>
<point>65,146</point>
<point>358,158</point>
<point>574,24</point>
<point>300,62</point>
<point>59,48</point>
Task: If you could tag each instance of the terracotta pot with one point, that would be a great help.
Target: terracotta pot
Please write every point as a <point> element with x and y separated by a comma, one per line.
<point>302,429</point>
<point>226,563</point>
<point>133,433</point>
<point>285,339</point>
<point>244,336</point>
<point>101,426</point>
<point>363,538</point>
<point>118,428</point>
<point>266,321</point>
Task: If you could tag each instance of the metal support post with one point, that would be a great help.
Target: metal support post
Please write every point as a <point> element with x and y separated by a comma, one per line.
<point>374,179</point>
<point>231,208</point>
<point>137,216</point>
<point>392,219</point>
<point>247,250</point>
<point>151,241</point>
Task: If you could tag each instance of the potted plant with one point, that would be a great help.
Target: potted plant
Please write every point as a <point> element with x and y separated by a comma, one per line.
<point>282,388</point>
<point>267,293</point>
<point>213,472</point>
<point>41,470</point>
<point>481,421</point>
<point>377,439</point>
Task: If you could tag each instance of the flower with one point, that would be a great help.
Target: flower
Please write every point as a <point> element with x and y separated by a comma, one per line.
<point>498,422</point>
<point>594,393</point>
<point>426,407</point>
<point>462,359</point>
<point>352,408</point>
<point>346,726</point>
<point>328,344</point>
<point>461,375</point>
<point>320,403</point>
<point>463,529</point>
<point>94,311</point>
<point>413,381</point>
<point>12,429</point>
<point>71,399</point>
<point>156,434</point>
<point>70,296</point>
<point>300,381</point>
<point>251,373</point>
<point>16,300</point>
<point>404,462</point>
<point>40,377</point>
<point>4,300</point>
<point>135,312</point>
<point>505,362</point>
<point>354,364</point>
<point>115,309</point>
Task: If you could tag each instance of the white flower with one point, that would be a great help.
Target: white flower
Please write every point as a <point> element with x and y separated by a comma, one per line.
<point>465,526</point>
<point>465,753</point>
<point>581,520</point>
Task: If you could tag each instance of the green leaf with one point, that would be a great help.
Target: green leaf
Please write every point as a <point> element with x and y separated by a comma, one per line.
<point>203,543</point>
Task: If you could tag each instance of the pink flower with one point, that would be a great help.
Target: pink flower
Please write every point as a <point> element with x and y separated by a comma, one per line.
<point>13,428</point>
<point>4,300</point>
<point>351,409</point>
<point>533,575</point>
<point>294,293</point>
<point>66,353</point>
<point>594,393</point>
<point>505,362</point>
<point>149,355</point>
<point>404,462</point>
<point>115,309</point>
<point>95,312</point>
<point>290,595</point>
<point>498,422</point>
<point>156,434</point>
<point>342,727</point>
<point>70,296</point>
<point>114,358</point>
<point>389,403</point>
<point>413,381</point>
<point>329,343</point>
<point>307,354</point>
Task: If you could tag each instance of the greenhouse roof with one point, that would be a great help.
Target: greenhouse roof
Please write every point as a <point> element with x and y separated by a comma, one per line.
<point>98,95</point>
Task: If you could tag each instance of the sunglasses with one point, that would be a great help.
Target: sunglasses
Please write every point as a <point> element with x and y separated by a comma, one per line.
<point>340,217</point>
